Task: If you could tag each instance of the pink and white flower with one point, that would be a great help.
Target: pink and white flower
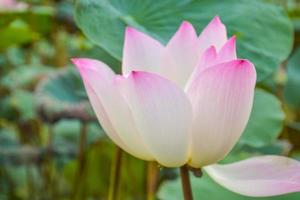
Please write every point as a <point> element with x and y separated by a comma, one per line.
<point>185,103</point>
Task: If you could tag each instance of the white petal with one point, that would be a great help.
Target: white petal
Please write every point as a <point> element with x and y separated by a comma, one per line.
<point>162,114</point>
<point>140,52</point>
<point>110,107</point>
<point>222,98</point>
<point>180,55</point>
<point>214,34</point>
<point>211,57</point>
<point>259,176</point>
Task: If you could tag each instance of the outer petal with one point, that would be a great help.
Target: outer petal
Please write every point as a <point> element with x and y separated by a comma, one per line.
<point>222,98</point>
<point>140,52</point>
<point>214,34</point>
<point>181,54</point>
<point>259,176</point>
<point>163,115</point>
<point>110,107</point>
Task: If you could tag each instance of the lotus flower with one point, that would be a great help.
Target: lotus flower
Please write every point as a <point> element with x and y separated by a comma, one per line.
<point>185,103</point>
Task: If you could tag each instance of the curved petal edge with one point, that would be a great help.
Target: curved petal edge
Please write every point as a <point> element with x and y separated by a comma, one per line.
<point>259,176</point>
<point>162,114</point>
<point>222,97</point>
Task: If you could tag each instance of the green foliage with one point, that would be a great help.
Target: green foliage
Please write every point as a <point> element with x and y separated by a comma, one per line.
<point>69,130</point>
<point>101,54</point>
<point>291,91</point>
<point>25,76</point>
<point>62,96</point>
<point>44,154</point>
<point>255,23</point>
<point>20,27</point>
<point>205,188</point>
<point>266,120</point>
<point>17,27</point>
<point>95,178</point>
<point>94,181</point>
<point>19,105</point>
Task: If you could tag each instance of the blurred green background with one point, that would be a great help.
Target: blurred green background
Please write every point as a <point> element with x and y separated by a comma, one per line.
<point>51,145</point>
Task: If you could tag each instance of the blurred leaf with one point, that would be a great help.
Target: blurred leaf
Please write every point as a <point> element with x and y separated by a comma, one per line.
<point>96,174</point>
<point>62,95</point>
<point>95,180</point>
<point>21,27</point>
<point>240,152</point>
<point>291,90</point>
<point>17,32</point>
<point>69,130</point>
<point>19,105</point>
<point>65,11</point>
<point>255,23</point>
<point>15,56</point>
<point>39,19</point>
<point>296,155</point>
<point>23,100</point>
<point>24,76</point>
<point>133,180</point>
<point>266,120</point>
<point>206,188</point>
<point>8,138</point>
<point>21,177</point>
<point>18,177</point>
<point>295,126</point>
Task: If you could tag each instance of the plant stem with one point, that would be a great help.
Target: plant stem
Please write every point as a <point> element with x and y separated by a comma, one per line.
<point>152,179</point>
<point>186,184</point>
<point>48,162</point>
<point>30,186</point>
<point>81,160</point>
<point>115,175</point>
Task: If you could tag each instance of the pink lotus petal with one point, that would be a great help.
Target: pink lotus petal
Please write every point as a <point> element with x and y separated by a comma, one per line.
<point>140,52</point>
<point>228,51</point>
<point>222,98</point>
<point>208,58</point>
<point>110,107</point>
<point>214,34</point>
<point>259,176</point>
<point>181,54</point>
<point>211,57</point>
<point>163,116</point>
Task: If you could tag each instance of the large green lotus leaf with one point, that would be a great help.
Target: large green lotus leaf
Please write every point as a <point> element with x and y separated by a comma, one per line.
<point>266,120</point>
<point>255,23</point>
<point>100,54</point>
<point>292,88</point>
<point>242,151</point>
<point>205,188</point>
<point>61,96</point>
